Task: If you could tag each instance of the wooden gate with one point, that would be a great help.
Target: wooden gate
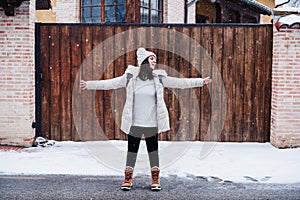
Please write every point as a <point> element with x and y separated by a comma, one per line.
<point>242,53</point>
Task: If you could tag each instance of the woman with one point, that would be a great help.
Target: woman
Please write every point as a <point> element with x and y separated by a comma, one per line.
<point>145,112</point>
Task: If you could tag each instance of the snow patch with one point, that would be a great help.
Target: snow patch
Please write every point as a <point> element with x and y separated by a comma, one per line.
<point>231,162</point>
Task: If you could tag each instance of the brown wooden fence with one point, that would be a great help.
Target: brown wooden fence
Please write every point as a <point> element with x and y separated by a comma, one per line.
<point>242,54</point>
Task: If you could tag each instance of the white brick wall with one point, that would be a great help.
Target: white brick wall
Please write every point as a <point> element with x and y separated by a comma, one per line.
<point>174,12</point>
<point>67,11</point>
<point>285,114</point>
<point>192,14</point>
<point>17,89</point>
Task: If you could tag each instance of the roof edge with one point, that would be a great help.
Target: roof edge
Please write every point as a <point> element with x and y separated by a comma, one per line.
<point>264,9</point>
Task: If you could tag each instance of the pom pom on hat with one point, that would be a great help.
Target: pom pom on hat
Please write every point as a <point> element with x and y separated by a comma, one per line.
<point>142,54</point>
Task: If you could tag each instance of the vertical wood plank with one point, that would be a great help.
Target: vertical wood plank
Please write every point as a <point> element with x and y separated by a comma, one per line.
<point>162,63</point>
<point>175,97</point>
<point>109,125</point>
<point>66,132</point>
<point>98,74</point>
<point>143,36</point>
<point>184,94</point>
<point>268,81</point>
<point>131,43</point>
<point>216,91</point>
<point>202,54</point>
<point>238,64</point>
<point>87,96</point>
<point>55,83</point>
<point>173,102</point>
<point>75,34</point>
<point>194,109</point>
<point>229,83</point>
<point>119,94</point>
<point>46,86</point>
<point>248,77</point>
<point>205,103</point>
<point>259,84</point>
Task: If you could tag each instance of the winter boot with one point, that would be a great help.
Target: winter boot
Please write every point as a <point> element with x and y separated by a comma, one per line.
<point>127,183</point>
<point>155,179</point>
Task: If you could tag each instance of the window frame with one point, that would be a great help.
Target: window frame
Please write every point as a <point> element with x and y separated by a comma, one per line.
<point>103,5</point>
<point>150,11</point>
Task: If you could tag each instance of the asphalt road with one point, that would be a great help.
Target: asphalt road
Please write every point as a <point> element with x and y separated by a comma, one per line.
<point>96,187</point>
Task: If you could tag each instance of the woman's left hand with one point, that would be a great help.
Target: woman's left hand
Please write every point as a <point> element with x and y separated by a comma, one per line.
<point>207,80</point>
<point>83,84</point>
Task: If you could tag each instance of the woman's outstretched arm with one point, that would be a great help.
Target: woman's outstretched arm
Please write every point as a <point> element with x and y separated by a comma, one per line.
<point>109,84</point>
<point>174,82</point>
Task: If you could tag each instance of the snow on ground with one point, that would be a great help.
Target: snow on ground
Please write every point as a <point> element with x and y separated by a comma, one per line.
<point>237,162</point>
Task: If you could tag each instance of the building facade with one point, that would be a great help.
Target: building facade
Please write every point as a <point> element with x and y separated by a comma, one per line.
<point>155,11</point>
<point>17,56</point>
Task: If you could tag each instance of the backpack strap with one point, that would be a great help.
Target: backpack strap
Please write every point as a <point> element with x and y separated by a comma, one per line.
<point>129,76</point>
<point>160,79</point>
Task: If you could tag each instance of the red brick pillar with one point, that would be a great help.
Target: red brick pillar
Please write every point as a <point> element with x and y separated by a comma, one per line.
<point>285,113</point>
<point>17,89</point>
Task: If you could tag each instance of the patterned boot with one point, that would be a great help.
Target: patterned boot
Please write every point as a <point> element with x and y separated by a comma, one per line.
<point>155,179</point>
<point>127,183</point>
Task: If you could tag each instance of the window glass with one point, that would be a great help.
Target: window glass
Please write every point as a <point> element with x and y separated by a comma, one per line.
<point>151,16</point>
<point>96,14</point>
<point>154,4</point>
<point>120,13</point>
<point>109,14</point>
<point>114,11</point>
<point>159,19</point>
<point>159,4</point>
<point>86,15</point>
<point>154,16</point>
<point>144,15</point>
<point>145,3</point>
<point>86,2</point>
<point>109,2</point>
<point>96,2</point>
<point>121,2</point>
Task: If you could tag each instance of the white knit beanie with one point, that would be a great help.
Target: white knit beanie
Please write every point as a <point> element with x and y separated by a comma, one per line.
<point>142,54</point>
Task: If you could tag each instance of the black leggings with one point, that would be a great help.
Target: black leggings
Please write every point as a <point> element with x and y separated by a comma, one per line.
<point>134,139</point>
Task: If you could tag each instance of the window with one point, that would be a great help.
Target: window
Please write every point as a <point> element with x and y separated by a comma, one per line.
<point>101,11</point>
<point>151,11</point>
<point>231,16</point>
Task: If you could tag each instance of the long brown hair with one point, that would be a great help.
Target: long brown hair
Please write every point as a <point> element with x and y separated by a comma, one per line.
<point>145,71</point>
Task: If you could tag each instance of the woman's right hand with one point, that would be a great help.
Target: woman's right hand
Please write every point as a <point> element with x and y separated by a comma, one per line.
<point>83,85</point>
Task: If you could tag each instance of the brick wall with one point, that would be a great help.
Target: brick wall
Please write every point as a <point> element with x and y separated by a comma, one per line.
<point>17,90</point>
<point>285,114</point>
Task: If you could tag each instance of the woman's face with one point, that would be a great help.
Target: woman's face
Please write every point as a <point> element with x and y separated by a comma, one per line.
<point>152,61</point>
